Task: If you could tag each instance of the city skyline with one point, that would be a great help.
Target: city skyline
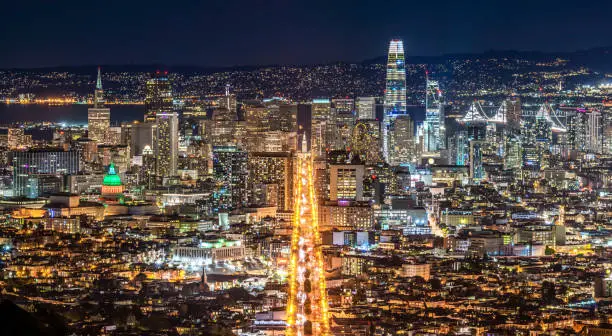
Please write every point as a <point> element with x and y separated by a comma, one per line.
<point>448,195</point>
<point>346,32</point>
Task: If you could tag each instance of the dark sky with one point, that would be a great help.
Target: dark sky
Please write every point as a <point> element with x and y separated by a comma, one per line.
<point>226,32</point>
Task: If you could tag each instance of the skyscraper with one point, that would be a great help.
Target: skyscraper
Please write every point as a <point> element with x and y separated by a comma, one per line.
<point>31,167</point>
<point>344,114</point>
<point>366,107</point>
<point>513,115</point>
<point>434,130</point>
<point>476,168</point>
<point>158,96</point>
<point>401,140</point>
<point>230,167</point>
<point>321,130</point>
<point>166,143</point>
<point>98,117</point>
<point>159,108</point>
<point>594,131</point>
<point>395,93</point>
<point>271,179</point>
<point>365,140</point>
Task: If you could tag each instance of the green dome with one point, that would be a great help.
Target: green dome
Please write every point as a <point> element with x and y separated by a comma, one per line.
<point>111,179</point>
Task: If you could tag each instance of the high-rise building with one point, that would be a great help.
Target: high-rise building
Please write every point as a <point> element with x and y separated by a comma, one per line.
<point>401,140</point>
<point>365,141</point>
<point>513,154</point>
<point>395,93</point>
<point>476,168</point>
<point>606,117</point>
<point>513,115</point>
<point>139,135</point>
<point>346,182</point>
<point>594,132</point>
<point>322,126</point>
<point>346,215</point>
<point>271,179</point>
<point>344,115</point>
<point>542,129</point>
<point>99,92</point>
<point>366,107</point>
<point>160,109</point>
<point>229,101</point>
<point>98,117</point>
<point>17,139</point>
<point>434,134</point>
<point>31,167</point>
<point>230,167</point>
<point>166,143</point>
<point>158,97</point>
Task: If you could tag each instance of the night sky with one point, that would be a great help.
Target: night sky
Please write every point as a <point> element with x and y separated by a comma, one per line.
<point>220,33</point>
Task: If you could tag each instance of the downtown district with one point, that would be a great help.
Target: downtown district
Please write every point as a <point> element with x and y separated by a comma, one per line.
<point>270,214</point>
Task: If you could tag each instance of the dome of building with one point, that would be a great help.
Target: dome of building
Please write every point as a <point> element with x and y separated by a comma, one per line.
<point>111,178</point>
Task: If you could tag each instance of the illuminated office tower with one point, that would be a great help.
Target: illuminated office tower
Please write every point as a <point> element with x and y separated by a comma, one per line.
<point>166,143</point>
<point>229,101</point>
<point>221,129</point>
<point>258,118</point>
<point>288,117</point>
<point>594,132</point>
<point>476,168</point>
<point>532,158</point>
<point>230,167</point>
<point>344,105</point>
<point>542,129</point>
<point>158,97</point>
<point>344,115</point>
<point>607,128</point>
<point>366,107</point>
<point>365,140</point>
<point>513,115</point>
<point>513,155</point>
<point>401,140</point>
<point>576,131</point>
<point>395,97</point>
<point>322,123</point>
<point>98,117</point>
<point>346,181</point>
<point>33,169</point>
<point>271,179</point>
<point>17,139</point>
<point>395,93</point>
<point>434,134</point>
<point>159,107</point>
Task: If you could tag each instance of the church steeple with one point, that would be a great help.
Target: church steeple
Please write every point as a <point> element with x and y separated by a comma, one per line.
<point>99,92</point>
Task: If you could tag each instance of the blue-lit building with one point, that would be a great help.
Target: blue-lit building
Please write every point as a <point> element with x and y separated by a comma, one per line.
<point>395,95</point>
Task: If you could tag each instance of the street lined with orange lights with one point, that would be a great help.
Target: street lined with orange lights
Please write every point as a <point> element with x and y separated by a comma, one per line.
<point>307,311</point>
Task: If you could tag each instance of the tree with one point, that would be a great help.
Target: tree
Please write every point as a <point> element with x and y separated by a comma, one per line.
<point>435,283</point>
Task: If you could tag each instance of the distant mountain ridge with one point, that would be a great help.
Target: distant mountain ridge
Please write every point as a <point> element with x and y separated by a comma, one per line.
<point>599,59</point>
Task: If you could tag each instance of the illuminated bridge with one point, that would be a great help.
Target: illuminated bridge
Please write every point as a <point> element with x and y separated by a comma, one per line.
<point>307,311</point>
<point>498,115</point>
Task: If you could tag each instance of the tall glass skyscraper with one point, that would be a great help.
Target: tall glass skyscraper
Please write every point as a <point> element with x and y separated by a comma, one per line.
<point>160,110</point>
<point>98,116</point>
<point>158,96</point>
<point>434,129</point>
<point>395,94</point>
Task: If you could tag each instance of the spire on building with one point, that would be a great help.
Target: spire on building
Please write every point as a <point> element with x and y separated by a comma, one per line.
<point>99,92</point>
<point>99,80</point>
